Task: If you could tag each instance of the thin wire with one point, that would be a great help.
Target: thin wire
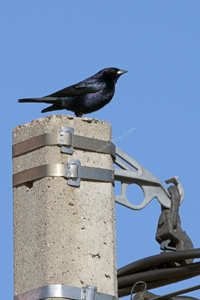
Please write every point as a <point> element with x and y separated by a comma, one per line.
<point>185,298</point>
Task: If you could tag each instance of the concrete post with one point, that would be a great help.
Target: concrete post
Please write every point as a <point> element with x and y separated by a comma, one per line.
<point>63,234</point>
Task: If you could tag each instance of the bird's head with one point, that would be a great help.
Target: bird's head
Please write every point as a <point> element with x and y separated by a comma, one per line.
<point>113,73</point>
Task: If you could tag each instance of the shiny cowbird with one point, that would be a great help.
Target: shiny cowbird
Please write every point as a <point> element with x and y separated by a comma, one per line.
<point>84,97</point>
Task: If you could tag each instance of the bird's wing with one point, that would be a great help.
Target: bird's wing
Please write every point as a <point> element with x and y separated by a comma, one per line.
<point>83,87</point>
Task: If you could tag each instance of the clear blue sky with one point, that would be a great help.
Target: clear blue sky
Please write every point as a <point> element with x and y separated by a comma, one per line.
<point>48,45</point>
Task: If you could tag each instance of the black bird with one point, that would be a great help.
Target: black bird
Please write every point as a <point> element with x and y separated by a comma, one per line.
<point>84,97</point>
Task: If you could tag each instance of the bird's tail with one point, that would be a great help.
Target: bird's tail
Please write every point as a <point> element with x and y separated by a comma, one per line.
<point>51,108</point>
<point>50,100</point>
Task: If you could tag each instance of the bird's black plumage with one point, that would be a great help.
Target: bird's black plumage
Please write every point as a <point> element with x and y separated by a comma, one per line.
<point>84,97</point>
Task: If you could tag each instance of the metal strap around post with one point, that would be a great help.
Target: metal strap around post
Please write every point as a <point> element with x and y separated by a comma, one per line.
<point>90,144</point>
<point>66,140</point>
<point>38,173</point>
<point>63,291</point>
<point>73,171</point>
<point>34,143</point>
<point>49,291</point>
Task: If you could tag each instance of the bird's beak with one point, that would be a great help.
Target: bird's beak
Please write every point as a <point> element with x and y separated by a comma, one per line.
<point>120,72</point>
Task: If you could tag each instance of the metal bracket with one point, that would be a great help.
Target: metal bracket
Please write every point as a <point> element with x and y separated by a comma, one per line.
<point>89,292</point>
<point>73,172</point>
<point>151,186</point>
<point>67,292</point>
<point>66,139</point>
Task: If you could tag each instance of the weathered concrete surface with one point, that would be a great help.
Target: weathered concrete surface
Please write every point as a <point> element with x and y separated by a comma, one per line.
<point>63,234</point>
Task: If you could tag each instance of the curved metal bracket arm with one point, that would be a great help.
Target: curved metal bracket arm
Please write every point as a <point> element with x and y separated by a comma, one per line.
<point>135,173</point>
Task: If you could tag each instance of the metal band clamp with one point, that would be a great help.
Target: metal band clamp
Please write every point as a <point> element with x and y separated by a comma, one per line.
<point>67,140</point>
<point>73,172</point>
<point>67,292</point>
